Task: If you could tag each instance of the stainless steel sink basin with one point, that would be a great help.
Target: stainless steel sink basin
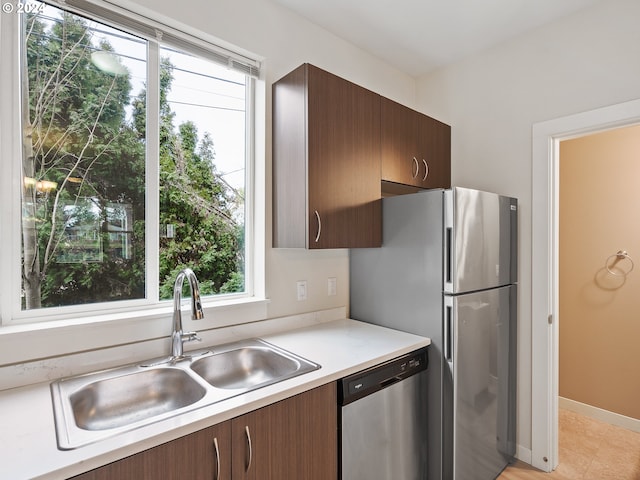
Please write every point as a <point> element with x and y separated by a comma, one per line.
<point>90,407</point>
<point>251,366</point>
<point>95,406</point>
<point>115,402</point>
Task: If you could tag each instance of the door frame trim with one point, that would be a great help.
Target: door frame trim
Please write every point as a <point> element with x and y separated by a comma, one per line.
<point>544,265</point>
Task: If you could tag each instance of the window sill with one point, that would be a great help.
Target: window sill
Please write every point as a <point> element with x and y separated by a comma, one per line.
<point>37,341</point>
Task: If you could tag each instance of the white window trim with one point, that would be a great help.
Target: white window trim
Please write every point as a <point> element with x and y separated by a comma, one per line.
<point>73,329</point>
<point>10,181</point>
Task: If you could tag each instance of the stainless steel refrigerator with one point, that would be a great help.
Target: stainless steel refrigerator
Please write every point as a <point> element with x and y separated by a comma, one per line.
<point>447,270</point>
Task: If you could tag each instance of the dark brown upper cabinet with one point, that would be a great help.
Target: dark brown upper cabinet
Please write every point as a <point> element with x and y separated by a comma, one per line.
<point>416,149</point>
<point>326,162</point>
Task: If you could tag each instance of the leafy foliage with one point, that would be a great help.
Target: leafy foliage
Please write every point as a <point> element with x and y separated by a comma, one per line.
<point>84,238</point>
<point>194,201</point>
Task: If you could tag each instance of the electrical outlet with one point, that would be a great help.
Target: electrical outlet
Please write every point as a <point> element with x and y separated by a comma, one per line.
<point>331,286</point>
<point>301,287</point>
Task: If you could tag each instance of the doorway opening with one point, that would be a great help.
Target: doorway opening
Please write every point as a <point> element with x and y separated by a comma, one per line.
<point>598,304</point>
<point>545,265</point>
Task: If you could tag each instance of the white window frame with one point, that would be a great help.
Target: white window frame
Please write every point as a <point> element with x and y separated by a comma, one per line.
<point>55,331</point>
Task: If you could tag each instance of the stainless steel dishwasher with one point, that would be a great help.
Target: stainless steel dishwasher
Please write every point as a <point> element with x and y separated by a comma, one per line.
<point>383,420</point>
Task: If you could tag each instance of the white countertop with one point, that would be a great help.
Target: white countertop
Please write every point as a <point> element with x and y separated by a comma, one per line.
<point>29,449</point>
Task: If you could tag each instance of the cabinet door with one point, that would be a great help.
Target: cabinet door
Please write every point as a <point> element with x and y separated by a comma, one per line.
<point>344,206</point>
<point>290,440</point>
<point>202,455</point>
<point>416,149</point>
<point>400,162</point>
<point>434,152</point>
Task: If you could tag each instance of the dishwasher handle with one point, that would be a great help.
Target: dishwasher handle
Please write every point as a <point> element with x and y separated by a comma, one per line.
<point>376,378</point>
<point>390,381</point>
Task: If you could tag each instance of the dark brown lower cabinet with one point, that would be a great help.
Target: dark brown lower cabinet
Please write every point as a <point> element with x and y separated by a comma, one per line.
<point>191,457</point>
<point>292,439</point>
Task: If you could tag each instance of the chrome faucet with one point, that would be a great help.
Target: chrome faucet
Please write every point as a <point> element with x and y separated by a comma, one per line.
<point>178,337</point>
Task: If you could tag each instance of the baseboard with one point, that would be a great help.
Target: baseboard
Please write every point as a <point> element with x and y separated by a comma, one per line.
<point>523,454</point>
<point>596,413</point>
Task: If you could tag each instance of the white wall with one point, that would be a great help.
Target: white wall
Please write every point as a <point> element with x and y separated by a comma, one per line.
<point>286,40</point>
<point>581,63</point>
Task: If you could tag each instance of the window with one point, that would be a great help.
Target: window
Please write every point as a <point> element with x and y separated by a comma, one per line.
<point>135,163</point>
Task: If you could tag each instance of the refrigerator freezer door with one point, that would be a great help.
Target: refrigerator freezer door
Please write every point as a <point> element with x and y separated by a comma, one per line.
<point>481,358</point>
<point>480,240</point>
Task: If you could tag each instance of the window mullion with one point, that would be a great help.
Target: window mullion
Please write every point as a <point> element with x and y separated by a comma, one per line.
<point>152,207</point>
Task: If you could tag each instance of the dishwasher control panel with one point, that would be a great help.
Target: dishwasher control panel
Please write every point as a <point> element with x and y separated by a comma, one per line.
<point>376,378</point>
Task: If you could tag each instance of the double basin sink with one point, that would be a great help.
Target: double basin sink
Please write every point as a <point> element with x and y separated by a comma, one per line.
<point>95,406</point>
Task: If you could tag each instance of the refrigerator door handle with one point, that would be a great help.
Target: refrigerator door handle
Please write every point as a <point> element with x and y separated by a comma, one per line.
<point>448,329</point>
<point>448,242</point>
<point>448,234</point>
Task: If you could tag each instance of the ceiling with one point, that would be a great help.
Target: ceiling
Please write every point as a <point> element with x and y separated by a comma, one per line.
<point>418,36</point>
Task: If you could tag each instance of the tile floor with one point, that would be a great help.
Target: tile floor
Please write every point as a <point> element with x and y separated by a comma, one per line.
<point>589,450</point>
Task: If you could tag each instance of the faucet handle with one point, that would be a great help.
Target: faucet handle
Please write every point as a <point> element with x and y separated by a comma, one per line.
<point>190,337</point>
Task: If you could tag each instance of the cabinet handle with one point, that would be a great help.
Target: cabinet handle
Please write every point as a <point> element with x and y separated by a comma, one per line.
<point>250,450</point>
<point>417,165</point>
<point>217,450</point>
<point>426,169</point>
<point>319,225</point>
